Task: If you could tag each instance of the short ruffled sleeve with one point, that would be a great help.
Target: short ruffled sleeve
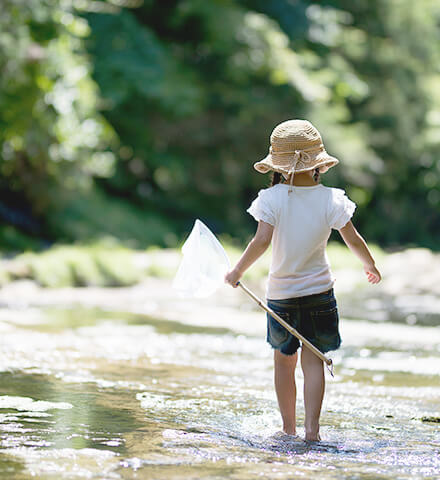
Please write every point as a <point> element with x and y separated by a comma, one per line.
<point>262,208</point>
<point>340,210</point>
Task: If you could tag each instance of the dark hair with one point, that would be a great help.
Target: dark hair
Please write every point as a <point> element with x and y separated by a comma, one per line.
<point>276,178</point>
<point>316,175</point>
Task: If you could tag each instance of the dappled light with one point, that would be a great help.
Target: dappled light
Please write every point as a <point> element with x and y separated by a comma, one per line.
<point>124,121</point>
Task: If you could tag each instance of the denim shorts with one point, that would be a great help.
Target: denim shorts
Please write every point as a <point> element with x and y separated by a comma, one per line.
<point>315,317</point>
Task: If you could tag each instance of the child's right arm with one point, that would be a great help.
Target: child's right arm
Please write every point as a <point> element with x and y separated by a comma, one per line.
<point>257,246</point>
<point>359,247</point>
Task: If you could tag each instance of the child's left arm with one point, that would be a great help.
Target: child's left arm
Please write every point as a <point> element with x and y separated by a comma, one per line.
<point>256,247</point>
<point>358,246</point>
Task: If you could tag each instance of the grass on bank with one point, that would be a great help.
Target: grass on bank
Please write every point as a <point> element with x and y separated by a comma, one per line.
<point>74,265</point>
<point>109,264</point>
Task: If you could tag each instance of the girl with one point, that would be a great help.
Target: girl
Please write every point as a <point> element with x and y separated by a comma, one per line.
<point>297,214</point>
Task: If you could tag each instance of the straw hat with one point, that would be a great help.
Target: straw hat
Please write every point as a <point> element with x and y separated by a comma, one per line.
<point>295,146</point>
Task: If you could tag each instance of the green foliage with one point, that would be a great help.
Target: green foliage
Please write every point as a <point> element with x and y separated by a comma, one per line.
<point>110,264</point>
<point>13,240</point>
<point>117,267</point>
<point>391,46</point>
<point>63,266</point>
<point>133,64</point>
<point>51,134</point>
<point>132,122</point>
<point>92,215</point>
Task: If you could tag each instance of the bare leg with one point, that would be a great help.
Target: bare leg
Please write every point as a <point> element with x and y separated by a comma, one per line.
<point>314,384</point>
<point>285,388</point>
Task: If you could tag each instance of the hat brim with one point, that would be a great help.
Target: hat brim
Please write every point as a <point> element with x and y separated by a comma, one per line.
<point>323,159</point>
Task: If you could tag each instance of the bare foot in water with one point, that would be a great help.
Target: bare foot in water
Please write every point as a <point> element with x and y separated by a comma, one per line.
<point>313,438</point>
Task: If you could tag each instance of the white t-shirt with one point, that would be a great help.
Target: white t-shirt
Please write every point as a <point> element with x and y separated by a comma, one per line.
<point>302,222</point>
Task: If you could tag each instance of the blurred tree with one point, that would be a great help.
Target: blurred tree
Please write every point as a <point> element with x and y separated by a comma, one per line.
<point>166,106</point>
<point>380,61</point>
<point>393,48</point>
<point>193,90</point>
<point>52,138</point>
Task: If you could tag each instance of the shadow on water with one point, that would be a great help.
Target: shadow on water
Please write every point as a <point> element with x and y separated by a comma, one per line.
<point>44,412</point>
<point>12,468</point>
<point>59,319</point>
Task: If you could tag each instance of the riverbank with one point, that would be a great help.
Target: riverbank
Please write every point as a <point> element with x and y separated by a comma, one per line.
<point>109,263</point>
<point>409,292</point>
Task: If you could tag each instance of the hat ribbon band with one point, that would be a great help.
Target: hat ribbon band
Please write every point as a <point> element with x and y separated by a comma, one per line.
<point>290,152</point>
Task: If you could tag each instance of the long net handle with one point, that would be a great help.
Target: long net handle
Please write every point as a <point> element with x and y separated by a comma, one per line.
<point>289,328</point>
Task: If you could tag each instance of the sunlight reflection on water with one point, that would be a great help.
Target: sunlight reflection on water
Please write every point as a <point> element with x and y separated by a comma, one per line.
<point>123,395</point>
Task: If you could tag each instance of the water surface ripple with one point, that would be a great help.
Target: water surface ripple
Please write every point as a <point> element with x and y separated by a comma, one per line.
<point>95,394</point>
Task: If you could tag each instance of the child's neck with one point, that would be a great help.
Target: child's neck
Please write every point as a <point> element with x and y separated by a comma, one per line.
<point>303,180</point>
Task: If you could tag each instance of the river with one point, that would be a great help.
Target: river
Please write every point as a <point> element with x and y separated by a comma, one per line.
<point>90,393</point>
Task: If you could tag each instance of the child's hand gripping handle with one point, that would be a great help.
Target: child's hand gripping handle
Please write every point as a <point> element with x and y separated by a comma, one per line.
<point>290,329</point>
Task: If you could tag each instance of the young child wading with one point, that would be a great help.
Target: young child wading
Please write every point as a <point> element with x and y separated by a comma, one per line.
<point>297,214</point>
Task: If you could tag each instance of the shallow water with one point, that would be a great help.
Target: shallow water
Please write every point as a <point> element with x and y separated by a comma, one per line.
<point>96,394</point>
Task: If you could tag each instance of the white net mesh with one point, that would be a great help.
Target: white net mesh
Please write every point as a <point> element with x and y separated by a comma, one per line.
<point>204,264</point>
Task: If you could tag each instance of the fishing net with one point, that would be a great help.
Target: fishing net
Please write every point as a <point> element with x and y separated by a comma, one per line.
<point>202,271</point>
<point>204,264</point>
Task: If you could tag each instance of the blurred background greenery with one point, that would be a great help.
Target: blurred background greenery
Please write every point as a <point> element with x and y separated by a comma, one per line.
<point>128,119</point>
